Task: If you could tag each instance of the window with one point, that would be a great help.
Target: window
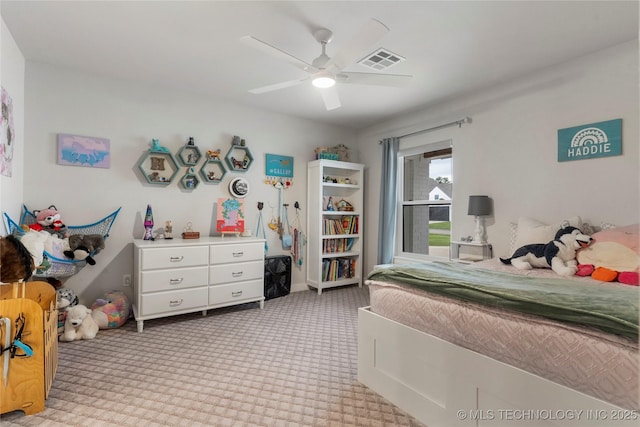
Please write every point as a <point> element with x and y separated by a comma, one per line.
<point>424,201</point>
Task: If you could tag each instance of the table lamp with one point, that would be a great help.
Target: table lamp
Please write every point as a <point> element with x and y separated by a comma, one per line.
<point>479,206</point>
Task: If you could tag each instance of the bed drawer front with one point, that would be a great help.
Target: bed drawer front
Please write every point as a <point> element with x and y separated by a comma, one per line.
<point>167,302</point>
<point>174,257</point>
<point>241,252</point>
<point>235,292</point>
<point>227,273</point>
<point>165,280</point>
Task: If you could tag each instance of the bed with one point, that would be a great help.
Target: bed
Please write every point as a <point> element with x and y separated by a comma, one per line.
<point>485,344</point>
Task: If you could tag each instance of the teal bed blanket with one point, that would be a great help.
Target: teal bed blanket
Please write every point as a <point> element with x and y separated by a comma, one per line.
<point>610,308</point>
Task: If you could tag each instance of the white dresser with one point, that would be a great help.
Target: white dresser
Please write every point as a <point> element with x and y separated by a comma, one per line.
<point>182,276</point>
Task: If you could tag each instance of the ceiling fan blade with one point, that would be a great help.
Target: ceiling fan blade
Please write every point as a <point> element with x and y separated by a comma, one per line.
<point>330,98</point>
<point>374,79</point>
<point>277,53</point>
<point>357,47</point>
<point>277,86</point>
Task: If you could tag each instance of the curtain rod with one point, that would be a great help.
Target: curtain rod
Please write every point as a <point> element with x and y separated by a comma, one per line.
<point>446,125</point>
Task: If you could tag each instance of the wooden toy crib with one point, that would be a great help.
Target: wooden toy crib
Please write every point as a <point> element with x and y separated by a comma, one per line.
<point>29,379</point>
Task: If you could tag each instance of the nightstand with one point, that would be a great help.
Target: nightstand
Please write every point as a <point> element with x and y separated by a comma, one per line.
<point>470,251</point>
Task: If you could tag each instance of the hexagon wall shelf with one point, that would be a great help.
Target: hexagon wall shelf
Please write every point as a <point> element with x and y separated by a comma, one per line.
<point>158,166</point>
<point>190,180</point>
<point>239,158</point>
<point>213,171</point>
<point>189,154</point>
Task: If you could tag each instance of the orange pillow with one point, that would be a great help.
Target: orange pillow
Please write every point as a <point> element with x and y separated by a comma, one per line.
<point>604,274</point>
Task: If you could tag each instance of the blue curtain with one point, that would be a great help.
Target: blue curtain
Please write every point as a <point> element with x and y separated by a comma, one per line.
<point>388,200</point>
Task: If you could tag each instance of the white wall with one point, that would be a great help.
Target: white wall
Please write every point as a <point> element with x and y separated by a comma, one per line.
<point>12,69</point>
<point>509,152</point>
<point>65,101</point>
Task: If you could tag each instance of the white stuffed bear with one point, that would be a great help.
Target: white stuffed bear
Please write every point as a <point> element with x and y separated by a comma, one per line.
<point>79,324</point>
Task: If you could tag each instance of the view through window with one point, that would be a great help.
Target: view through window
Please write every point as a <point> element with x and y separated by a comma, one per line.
<point>427,186</point>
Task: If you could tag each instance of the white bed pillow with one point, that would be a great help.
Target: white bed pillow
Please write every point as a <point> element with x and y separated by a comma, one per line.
<point>530,231</point>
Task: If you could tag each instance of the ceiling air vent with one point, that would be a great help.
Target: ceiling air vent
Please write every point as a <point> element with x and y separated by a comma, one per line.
<point>381,59</point>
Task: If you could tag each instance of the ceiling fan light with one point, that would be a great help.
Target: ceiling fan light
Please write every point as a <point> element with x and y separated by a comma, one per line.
<point>323,80</point>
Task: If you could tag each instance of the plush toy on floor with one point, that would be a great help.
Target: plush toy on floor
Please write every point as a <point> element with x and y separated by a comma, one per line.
<point>558,255</point>
<point>111,310</point>
<point>79,324</point>
<point>65,298</point>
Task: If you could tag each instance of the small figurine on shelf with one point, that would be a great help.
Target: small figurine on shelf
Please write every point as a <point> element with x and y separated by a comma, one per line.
<point>156,147</point>
<point>330,204</point>
<point>148,224</point>
<point>237,164</point>
<point>168,230</point>
<point>213,154</point>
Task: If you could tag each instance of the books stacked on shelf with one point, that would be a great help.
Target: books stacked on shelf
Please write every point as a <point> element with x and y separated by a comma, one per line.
<point>338,268</point>
<point>345,225</point>
<point>331,246</point>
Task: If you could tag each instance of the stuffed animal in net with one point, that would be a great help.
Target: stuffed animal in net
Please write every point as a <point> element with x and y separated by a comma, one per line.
<point>558,254</point>
<point>82,246</point>
<point>79,324</point>
<point>111,310</point>
<point>49,220</point>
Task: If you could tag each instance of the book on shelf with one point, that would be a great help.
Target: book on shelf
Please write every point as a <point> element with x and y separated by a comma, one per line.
<point>331,246</point>
<point>349,224</point>
<point>338,268</point>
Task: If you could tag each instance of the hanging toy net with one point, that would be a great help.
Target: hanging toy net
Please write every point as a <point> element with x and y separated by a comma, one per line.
<point>53,266</point>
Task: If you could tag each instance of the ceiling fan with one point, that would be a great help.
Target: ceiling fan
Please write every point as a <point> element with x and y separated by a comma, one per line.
<point>324,72</point>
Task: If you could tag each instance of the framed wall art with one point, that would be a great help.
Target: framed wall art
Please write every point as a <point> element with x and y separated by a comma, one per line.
<point>76,150</point>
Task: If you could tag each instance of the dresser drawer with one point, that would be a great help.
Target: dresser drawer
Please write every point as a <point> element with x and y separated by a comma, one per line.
<point>240,252</point>
<point>166,302</point>
<point>226,273</point>
<point>166,280</point>
<point>180,256</point>
<point>222,294</point>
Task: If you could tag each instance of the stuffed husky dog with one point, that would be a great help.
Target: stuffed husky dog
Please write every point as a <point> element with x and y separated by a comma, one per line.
<point>559,254</point>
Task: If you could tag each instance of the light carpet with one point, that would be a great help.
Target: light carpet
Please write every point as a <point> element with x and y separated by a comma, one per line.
<point>292,364</point>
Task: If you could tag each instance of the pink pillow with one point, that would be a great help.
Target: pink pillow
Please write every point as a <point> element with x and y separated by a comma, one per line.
<point>585,270</point>
<point>616,249</point>
<point>629,278</point>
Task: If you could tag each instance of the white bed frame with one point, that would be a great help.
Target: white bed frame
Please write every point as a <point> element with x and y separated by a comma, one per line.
<point>433,380</point>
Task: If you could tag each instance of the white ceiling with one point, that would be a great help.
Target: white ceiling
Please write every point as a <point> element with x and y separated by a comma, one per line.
<point>451,47</point>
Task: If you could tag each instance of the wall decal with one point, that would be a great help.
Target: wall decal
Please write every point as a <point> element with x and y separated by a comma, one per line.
<point>602,139</point>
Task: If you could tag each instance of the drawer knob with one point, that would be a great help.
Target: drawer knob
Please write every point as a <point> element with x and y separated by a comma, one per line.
<point>236,274</point>
<point>238,254</point>
<point>176,258</point>
<point>175,302</point>
<point>176,281</point>
<point>236,294</point>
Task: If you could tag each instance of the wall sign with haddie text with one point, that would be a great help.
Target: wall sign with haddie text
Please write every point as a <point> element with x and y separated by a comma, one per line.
<point>602,139</point>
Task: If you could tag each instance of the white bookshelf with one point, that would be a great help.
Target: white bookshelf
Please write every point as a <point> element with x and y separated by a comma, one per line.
<point>334,241</point>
